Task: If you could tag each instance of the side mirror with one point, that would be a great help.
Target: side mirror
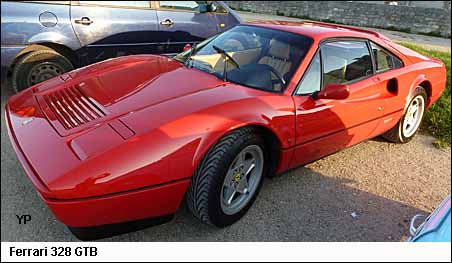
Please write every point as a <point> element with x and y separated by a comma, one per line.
<point>203,8</point>
<point>333,92</point>
<point>187,47</point>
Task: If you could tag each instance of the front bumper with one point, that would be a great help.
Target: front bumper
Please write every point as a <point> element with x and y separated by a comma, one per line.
<point>147,202</point>
<point>123,207</point>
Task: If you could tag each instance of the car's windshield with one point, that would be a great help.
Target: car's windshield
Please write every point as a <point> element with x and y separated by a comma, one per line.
<point>249,55</point>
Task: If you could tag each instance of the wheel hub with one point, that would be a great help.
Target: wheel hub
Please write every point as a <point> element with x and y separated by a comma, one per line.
<point>43,71</point>
<point>413,116</point>
<point>242,179</point>
<point>237,177</point>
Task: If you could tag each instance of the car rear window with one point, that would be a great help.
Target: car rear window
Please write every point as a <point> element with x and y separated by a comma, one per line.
<point>384,60</point>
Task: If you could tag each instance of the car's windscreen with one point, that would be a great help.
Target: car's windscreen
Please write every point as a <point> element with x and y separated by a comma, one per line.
<point>252,56</point>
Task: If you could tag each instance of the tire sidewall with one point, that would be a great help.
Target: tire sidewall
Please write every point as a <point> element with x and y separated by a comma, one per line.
<point>217,216</point>
<point>30,60</point>
<point>419,91</point>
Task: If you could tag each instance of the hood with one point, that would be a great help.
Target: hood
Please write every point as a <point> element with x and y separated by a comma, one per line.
<point>117,87</point>
<point>152,108</point>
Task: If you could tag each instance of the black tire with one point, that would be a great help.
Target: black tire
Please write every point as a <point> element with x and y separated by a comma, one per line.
<point>204,193</point>
<point>29,67</point>
<point>395,134</point>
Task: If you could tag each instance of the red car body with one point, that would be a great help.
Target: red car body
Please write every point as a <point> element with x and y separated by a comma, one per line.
<point>149,121</point>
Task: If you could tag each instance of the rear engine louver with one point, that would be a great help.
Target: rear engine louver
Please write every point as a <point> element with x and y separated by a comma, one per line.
<point>72,108</point>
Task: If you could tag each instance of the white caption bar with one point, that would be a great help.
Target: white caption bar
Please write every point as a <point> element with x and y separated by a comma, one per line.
<point>204,252</point>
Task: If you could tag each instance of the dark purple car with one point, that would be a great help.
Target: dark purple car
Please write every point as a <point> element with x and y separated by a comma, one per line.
<point>42,39</point>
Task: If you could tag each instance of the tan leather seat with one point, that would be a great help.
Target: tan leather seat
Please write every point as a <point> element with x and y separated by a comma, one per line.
<point>278,58</point>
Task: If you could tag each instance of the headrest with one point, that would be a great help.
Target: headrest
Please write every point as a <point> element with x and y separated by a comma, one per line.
<point>279,49</point>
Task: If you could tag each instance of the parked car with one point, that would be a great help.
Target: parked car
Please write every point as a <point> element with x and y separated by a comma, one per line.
<point>126,139</point>
<point>43,39</point>
<point>434,228</point>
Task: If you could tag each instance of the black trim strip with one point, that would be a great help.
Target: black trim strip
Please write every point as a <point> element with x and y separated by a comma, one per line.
<point>104,231</point>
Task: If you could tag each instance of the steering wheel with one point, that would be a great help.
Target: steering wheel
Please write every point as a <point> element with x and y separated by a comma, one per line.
<point>278,75</point>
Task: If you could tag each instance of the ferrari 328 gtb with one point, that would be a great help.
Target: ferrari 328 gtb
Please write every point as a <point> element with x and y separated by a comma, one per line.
<point>123,141</point>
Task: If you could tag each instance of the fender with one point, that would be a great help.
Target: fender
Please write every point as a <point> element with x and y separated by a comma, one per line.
<point>232,120</point>
<point>418,80</point>
<point>54,37</point>
<point>211,139</point>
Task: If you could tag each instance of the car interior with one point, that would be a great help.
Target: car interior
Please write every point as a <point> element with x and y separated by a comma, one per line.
<point>271,59</point>
<point>345,61</point>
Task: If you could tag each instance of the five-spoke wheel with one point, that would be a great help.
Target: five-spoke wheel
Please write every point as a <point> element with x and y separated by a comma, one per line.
<point>242,179</point>
<point>410,122</point>
<point>228,179</point>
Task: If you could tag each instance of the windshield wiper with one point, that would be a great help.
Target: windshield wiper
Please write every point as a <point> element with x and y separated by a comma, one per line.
<point>227,58</point>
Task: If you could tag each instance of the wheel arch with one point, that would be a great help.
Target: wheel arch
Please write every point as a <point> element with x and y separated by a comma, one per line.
<point>419,81</point>
<point>62,49</point>
<point>427,85</point>
<point>272,140</point>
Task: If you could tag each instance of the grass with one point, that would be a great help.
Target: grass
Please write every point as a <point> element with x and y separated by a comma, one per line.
<point>437,119</point>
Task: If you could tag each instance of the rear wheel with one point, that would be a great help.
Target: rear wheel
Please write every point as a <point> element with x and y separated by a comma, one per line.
<point>37,66</point>
<point>228,179</point>
<point>409,124</point>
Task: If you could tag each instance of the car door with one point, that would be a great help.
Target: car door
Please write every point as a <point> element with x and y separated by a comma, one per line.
<point>325,126</point>
<point>182,22</point>
<point>109,29</point>
<point>390,77</point>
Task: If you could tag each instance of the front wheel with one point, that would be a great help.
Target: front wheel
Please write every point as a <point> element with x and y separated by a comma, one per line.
<point>228,179</point>
<point>409,124</point>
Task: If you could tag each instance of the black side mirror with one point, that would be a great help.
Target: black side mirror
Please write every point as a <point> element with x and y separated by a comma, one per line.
<point>203,8</point>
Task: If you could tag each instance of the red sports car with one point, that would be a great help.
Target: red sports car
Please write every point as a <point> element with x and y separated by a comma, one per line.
<point>124,141</point>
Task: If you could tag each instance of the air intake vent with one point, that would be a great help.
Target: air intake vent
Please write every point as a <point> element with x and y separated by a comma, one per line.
<point>72,108</point>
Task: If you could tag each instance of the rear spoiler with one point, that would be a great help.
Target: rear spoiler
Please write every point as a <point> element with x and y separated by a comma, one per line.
<point>376,34</point>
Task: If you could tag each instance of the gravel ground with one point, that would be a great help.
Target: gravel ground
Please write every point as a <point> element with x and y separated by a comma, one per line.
<point>384,184</point>
<point>426,41</point>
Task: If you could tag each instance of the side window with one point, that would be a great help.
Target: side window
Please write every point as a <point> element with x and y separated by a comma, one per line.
<point>345,61</point>
<point>397,62</point>
<point>384,60</point>
<point>181,5</point>
<point>217,8</point>
<point>311,79</point>
<point>136,4</point>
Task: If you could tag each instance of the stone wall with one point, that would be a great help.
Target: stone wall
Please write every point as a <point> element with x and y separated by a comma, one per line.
<point>432,21</point>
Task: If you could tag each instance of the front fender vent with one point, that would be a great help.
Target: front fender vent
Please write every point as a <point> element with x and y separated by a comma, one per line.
<point>72,108</point>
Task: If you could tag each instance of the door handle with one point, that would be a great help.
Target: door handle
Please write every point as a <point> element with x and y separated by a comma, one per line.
<point>84,21</point>
<point>376,79</point>
<point>167,22</point>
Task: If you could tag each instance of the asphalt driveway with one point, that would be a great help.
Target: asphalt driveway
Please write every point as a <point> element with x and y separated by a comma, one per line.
<point>382,184</point>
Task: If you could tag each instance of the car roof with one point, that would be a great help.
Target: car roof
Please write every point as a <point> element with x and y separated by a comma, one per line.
<point>319,30</point>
